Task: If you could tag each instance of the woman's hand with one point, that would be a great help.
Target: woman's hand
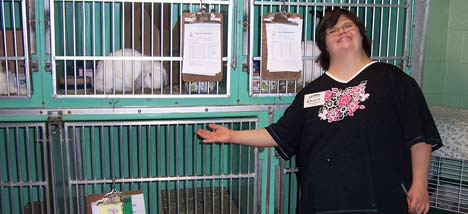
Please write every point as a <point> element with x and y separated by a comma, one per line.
<point>418,199</point>
<point>219,134</point>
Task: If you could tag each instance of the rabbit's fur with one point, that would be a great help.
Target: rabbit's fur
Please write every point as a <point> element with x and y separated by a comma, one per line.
<point>132,75</point>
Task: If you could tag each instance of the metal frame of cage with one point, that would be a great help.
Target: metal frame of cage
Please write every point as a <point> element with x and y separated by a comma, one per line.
<point>287,186</point>
<point>393,9</point>
<point>26,183</point>
<point>178,90</point>
<point>448,184</point>
<point>17,82</point>
<point>80,142</point>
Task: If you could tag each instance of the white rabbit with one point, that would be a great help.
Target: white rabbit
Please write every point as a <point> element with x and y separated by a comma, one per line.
<point>114,77</point>
<point>12,84</point>
<point>312,68</point>
<point>152,75</point>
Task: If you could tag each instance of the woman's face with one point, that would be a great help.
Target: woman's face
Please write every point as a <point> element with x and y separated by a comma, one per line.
<point>343,36</point>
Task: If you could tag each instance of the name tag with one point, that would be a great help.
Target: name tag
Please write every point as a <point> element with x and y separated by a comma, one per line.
<point>315,99</point>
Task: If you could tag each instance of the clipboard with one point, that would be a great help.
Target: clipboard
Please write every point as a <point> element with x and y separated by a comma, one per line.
<point>96,197</point>
<point>279,17</point>
<point>202,17</point>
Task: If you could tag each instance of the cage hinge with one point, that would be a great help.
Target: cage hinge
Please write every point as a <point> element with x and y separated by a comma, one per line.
<point>55,117</point>
<point>48,67</point>
<point>33,65</point>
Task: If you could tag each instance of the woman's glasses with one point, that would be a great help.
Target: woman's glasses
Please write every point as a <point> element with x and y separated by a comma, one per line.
<point>337,29</point>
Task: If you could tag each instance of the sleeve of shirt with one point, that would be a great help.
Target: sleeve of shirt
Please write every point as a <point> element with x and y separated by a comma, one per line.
<point>287,131</point>
<point>414,115</point>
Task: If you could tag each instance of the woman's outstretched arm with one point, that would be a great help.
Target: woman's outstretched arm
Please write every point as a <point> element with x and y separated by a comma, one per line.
<point>221,134</point>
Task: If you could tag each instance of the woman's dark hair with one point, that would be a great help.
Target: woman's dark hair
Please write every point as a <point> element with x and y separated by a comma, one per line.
<point>329,20</point>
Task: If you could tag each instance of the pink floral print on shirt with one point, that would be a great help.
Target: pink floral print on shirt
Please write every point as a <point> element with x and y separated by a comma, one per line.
<point>341,103</point>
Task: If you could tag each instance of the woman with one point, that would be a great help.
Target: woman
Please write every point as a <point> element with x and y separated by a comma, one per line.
<point>362,132</point>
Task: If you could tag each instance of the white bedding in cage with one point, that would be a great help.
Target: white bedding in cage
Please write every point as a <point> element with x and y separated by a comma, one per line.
<point>452,124</point>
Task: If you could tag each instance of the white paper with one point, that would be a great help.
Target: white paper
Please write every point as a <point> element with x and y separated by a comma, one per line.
<point>202,49</point>
<point>138,205</point>
<point>284,46</point>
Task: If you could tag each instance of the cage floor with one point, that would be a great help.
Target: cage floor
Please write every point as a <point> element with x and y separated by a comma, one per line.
<point>207,201</point>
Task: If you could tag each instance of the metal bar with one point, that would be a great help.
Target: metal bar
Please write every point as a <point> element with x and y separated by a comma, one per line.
<point>168,173</point>
<point>212,180</point>
<point>250,50</point>
<point>257,180</point>
<point>195,163</point>
<point>93,14</point>
<point>231,160</point>
<point>103,48</point>
<point>140,154</point>
<point>161,51</point>
<point>365,15</point>
<point>152,46</point>
<point>407,33</point>
<point>373,30</point>
<point>18,163</point>
<point>130,152</point>
<point>24,183</point>
<point>64,46</point>
<point>75,145</point>
<point>15,50</point>
<point>381,31</point>
<point>239,195</point>
<point>389,29</point>
<point>417,48</point>
<point>67,161</point>
<point>185,146</point>
<point>28,161</point>
<point>84,172</point>
<point>150,164</point>
<point>115,58</point>
<point>248,180</point>
<point>234,17</point>
<point>26,48</point>
<point>121,150</point>
<point>396,32</point>
<point>229,48</point>
<point>222,173</point>
<point>84,46</point>
<point>103,161</point>
<point>113,48</point>
<point>180,54</point>
<point>142,44</point>
<point>176,164</point>
<point>42,174</point>
<point>74,48</point>
<point>5,50</point>
<point>170,48</point>
<point>52,45</point>
<point>159,153</point>
<point>204,147</point>
<point>93,156</point>
<point>143,110</point>
<point>48,144</point>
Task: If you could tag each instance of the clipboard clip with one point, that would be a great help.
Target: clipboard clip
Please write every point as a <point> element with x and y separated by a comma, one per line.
<point>203,15</point>
<point>110,196</point>
<point>282,17</point>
